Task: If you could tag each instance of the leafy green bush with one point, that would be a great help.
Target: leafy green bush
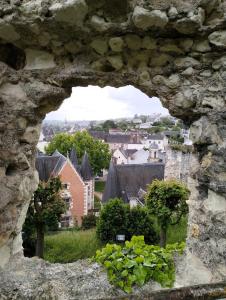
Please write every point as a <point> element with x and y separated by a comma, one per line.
<point>117,218</point>
<point>69,246</point>
<point>113,220</point>
<point>166,199</point>
<point>89,221</point>
<point>140,223</point>
<point>137,263</point>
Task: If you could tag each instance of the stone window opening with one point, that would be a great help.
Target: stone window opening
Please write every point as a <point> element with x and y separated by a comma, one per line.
<point>175,52</point>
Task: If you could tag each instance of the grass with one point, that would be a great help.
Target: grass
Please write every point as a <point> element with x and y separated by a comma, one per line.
<point>177,233</point>
<point>99,186</point>
<point>69,246</point>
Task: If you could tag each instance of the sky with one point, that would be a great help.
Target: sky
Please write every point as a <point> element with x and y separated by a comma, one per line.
<point>95,103</point>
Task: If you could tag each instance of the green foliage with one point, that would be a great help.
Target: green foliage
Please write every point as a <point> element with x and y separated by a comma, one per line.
<point>167,201</point>
<point>69,246</point>
<point>177,233</point>
<point>182,148</point>
<point>99,186</point>
<point>137,263</point>
<point>156,129</point>
<point>117,218</point>
<point>113,220</point>
<point>44,212</point>
<point>89,221</point>
<point>98,152</point>
<point>108,124</point>
<point>48,204</point>
<point>97,203</point>
<point>140,223</point>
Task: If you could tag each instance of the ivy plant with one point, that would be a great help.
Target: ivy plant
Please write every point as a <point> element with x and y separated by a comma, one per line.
<point>136,263</point>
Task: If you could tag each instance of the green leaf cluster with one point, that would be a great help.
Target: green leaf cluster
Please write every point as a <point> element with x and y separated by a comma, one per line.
<point>98,152</point>
<point>166,199</point>
<point>117,217</point>
<point>136,263</point>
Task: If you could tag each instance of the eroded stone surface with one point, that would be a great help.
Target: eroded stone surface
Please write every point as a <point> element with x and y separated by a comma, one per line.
<point>47,47</point>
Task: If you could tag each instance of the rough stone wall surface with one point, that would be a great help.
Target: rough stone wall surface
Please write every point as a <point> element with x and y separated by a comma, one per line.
<point>177,165</point>
<point>171,49</point>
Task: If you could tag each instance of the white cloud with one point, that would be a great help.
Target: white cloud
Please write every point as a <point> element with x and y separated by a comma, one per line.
<point>95,103</point>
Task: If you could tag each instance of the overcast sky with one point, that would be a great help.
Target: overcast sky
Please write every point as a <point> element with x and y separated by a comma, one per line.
<point>95,103</point>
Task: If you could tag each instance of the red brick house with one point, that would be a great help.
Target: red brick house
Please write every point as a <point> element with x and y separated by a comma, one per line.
<point>78,183</point>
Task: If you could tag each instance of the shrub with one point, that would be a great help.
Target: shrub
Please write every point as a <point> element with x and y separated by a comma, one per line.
<point>113,220</point>
<point>89,221</point>
<point>137,263</point>
<point>140,223</point>
<point>167,201</point>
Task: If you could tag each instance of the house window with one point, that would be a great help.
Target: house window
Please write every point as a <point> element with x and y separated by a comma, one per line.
<point>65,186</point>
<point>67,202</point>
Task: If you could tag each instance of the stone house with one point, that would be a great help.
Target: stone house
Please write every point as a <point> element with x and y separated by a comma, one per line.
<point>129,182</point>
<point>77,182</point>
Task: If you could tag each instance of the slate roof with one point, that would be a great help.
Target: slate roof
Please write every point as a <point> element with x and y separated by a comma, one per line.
<point>98,134</point>
<point>118,138</point>
<point>73,158</point>
<point>48,166</point>
<point>155,137</point>
<point>86,170</point>
<point>125,181</point>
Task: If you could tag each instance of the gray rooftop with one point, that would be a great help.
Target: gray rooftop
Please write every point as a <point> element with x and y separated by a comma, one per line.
<point>86,170</point>
<point>125,181</point>
<point>48,166</point>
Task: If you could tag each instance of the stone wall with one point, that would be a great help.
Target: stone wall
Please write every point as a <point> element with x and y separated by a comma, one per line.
<point>177,165</point>
<point>171,49</point>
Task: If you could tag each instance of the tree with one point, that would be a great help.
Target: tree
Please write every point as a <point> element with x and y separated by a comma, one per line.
<point>98,152</point>
<point>44,212</point>
<point>108,124</point>
<point>113,220</point>
<point>141,223</point>
<point>167,201</point>
<point>116,217</point>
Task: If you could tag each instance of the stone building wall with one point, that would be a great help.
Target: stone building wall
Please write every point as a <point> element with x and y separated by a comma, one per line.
<point>177,165</point>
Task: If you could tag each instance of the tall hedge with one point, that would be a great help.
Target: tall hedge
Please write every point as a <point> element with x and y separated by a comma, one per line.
<point>113,220</point>
<point>116,217</point>
<point>140,223</point>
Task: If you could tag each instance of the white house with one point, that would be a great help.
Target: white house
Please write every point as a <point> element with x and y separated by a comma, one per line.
<point>159,139</point>
<point>146,125</point>
<point>121,156</point>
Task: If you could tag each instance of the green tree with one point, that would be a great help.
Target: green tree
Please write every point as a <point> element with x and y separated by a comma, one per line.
<point>108,124</point>
<point>98,152</point>
<point>116,217</point>
<point>44,212</point>
<point>113,220</point>
<point>167,201</point>
<point>141,223</point>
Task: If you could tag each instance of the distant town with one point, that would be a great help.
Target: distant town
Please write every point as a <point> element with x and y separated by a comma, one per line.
<point>156,146</point>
